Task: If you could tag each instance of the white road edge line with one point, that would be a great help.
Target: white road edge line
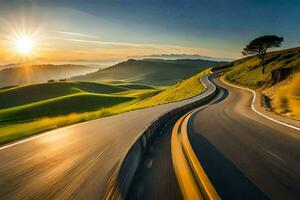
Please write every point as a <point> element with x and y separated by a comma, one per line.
<point>280,122</point>
<point>253,108</point>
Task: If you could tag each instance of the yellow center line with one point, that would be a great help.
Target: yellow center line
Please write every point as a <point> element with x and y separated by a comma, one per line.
<point>192,179</point>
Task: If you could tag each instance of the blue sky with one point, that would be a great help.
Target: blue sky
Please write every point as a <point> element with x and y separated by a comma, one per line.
<point>216,28</point>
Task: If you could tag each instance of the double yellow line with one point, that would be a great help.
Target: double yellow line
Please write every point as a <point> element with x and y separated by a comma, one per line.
<point>193,181</point>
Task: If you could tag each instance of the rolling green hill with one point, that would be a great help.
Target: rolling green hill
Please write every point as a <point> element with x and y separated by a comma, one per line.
<point>36,101</point>
<point>280,82</point>
<point>153,72</point>
<point>21,95</point>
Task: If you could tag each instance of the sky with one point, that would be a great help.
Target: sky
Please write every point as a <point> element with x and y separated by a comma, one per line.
<point>114,30</point>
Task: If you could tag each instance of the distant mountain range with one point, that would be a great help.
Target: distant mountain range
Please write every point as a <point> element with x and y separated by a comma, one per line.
<point>11,65</point>
<point>14,74</point>
<point>183,56</point>
<point>150,71</point>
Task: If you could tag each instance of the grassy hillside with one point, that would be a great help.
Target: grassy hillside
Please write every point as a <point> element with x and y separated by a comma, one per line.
<point>279,66</point>
<point>31,102</point>
<point>182,90</point>
<point>17,96</point>
<point>40,73</point>
<point>153,72</point>
<point>280,82</point>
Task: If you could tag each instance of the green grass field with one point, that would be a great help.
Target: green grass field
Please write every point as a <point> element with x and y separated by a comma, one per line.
<point>58,104</point>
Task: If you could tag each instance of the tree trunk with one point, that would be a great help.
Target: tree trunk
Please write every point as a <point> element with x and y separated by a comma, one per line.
<point>263,64</point>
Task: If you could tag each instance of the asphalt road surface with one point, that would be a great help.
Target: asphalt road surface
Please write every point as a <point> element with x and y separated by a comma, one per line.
<point>74,162</point>
<point>155,178</point>
<point>232,141</point>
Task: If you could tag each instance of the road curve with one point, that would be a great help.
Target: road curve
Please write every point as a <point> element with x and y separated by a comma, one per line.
<point>75,162</point>
<point>231,140</point>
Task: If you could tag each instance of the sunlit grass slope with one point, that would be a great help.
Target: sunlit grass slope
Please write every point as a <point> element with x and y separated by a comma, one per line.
<point>287,97</point>
<point>279,65</point>
<point>83,106</point>
<point>281,81</point>
<point>182,90</point>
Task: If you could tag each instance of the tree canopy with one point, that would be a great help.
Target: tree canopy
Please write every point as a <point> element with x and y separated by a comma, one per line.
<point>260,45</point>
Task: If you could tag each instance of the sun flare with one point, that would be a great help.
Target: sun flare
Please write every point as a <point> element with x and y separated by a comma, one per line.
<point>24,45</point>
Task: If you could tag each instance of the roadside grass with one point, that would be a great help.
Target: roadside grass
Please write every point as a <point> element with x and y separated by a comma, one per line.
<point>287,98</point>
<point>29,119</point>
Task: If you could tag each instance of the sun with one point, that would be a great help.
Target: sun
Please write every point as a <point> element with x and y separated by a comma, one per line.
<point>24,42</point>
<point>24,45</point>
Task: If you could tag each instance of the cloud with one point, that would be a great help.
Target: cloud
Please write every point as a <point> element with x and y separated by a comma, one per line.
<point>75,34</point>
<point>101,42</point>
<point>86,38</point>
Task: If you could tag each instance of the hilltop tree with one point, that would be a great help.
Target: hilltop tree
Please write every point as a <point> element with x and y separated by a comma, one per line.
<point>260,45</point>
